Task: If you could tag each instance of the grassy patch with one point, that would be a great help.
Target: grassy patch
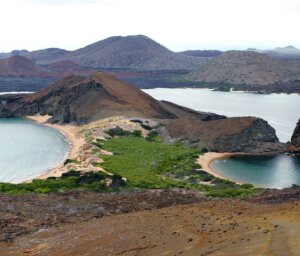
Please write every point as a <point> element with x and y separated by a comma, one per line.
<point>145,164</point>
<point>68,181</point>
<point>153,164</point>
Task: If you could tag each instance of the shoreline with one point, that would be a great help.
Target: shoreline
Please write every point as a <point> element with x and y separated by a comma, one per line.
<point>206,159</point>
<point>70,133</point>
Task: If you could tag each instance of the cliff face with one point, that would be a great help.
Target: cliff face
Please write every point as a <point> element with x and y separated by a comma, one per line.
<point>240,134</point>
<point>296,135</point>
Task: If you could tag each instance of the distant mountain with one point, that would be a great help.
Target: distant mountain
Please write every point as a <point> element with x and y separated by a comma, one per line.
<point>20,66</point>
<point>46,56</point>
<point>201,53</point>
<point>288,52</point>
<point>247,68</point>
<point>13,53</point>
<point>130,52</point>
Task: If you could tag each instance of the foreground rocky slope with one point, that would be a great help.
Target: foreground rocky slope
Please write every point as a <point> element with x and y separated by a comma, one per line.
<point>200,227</point>
<point>247,68</point>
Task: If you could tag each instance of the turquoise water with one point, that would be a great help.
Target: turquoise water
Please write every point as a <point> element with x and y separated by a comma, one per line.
<point>268,172</point>
<point>28,150</point>
<point>280,110</point>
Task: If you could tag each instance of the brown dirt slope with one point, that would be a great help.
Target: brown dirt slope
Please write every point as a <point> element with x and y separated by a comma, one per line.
<point>215,227</point>
<point>78,99</point>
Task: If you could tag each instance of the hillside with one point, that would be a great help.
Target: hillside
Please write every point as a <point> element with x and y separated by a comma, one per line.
<point>288,52</point>
<point>20,66</point>
<point>79,99</point>
<point>46,55</point>
<point>247,68</point>
<point>131,52</point>
<point>201,53</point>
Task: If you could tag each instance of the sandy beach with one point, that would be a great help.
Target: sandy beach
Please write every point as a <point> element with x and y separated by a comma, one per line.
<point>71,133</point>
<point>206,159</point>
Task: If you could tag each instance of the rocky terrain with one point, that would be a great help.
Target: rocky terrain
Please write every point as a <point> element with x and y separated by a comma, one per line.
<point>139,224</point>
<point>247,68</point>
<point>82,100</point>
<point>296,135</point>
<point>239,134</point>
<point>201,53</point>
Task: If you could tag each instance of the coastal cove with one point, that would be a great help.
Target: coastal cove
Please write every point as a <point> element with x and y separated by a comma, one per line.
<point>29,150</point>
<point>280,171</point>
<point>280,110</point>
<point>263,171</point>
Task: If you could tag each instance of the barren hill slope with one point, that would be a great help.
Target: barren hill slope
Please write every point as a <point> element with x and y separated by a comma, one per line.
<point>249,68</point>
<point>20,66</point>
<point>130,52</point>
<point>79,99</point>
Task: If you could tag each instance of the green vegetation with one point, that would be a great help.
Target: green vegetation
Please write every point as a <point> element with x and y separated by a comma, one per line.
<point>71,161</point>
<point>95,181</point>
<point>119,132</point>
<point>150,164</point>
<point>146,163</point>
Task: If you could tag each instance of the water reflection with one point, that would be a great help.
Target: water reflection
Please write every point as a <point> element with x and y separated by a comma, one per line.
<point>269,172</point>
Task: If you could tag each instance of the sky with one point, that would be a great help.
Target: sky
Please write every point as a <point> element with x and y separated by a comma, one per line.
<point>177,24</point>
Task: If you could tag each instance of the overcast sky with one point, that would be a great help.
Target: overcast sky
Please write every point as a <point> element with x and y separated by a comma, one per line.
<point>177,24</point>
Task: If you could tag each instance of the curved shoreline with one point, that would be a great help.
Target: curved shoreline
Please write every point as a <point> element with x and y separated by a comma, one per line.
<point>70,133</point>
<point>206,159</point>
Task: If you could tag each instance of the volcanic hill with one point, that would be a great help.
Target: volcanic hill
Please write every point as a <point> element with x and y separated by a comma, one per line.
<point>20,66</point>
<point>82,100</point>
<point>247,68</point>
<point>130,52</point>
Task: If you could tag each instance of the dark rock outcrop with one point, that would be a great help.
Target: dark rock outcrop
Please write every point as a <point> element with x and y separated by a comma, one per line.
<point>296,136</point>
<point>239,134</point>
<point>181,111</point>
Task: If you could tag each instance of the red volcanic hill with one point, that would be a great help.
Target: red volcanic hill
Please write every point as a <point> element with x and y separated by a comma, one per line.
<point>20,66</point>
<point>79,99</point>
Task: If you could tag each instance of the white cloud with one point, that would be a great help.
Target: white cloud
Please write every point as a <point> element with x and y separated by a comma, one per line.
<point>196,24</point>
